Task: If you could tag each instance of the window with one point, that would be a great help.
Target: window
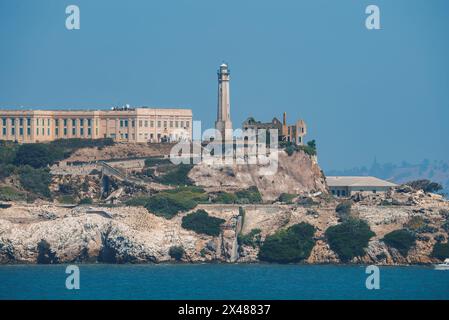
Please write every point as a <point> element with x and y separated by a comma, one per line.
<point>158,124</point>
<point>171,124</point>
<point>4,121</point>
<point>37,131</point>
<point>43,122</point>
<point>82,131</point>
<point>56,131</point>
<point>21,131</point>
<point>73,131</point>
<point>4,131</point>
<point>65,122</point>
<point>176,124</point>
<point>126,123</point>
<point>48,131</point>
<point>133,123</point>
<point>165,124</point>
<point>121,123</point>
<point>89,131</point>
<point>73,122</point>
<point>28,131</point>
<point>21,122</point>
<point>48,122</point>
<point>187,124</point>
<point>182,124</point>
<point>126,136</point>
<point>81,122</point>
<point>13,121</point>
<point>43,131</point>
<point>56,122</point>
<point>89,122</point>
<point>13,130</point>
<point>28,122</point>
<point>65,131</point>
<point>140,123</point>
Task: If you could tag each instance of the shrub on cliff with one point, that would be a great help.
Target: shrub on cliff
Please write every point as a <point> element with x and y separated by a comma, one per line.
<point>35,180</point>
<point>250,195</point>
<point>200,222</point>
<point>225,197</point>
<point>440,250</point>
<point>176,252</point>
<point>177,176</point>
<point>250,239</point>
<point>402,240</point>
<point>349,239</point>
<point>288,245</point>
<point>168,203</point>
<point>286,197</point>
<point>38,155</point>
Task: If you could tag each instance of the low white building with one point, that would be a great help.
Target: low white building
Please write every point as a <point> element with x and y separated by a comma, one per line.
<point>345,186</point>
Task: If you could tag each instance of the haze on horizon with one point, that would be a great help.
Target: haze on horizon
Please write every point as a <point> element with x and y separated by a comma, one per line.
<point>363,94</point>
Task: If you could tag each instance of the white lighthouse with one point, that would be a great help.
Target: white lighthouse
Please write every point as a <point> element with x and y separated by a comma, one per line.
<point>223,123</point>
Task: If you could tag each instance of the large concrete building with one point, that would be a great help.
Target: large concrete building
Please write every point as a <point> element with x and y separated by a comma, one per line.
<point>124,124</point>
<point>345,186</point>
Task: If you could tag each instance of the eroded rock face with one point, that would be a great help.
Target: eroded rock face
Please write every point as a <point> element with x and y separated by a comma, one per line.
<point>43,232</point>
<point>296,174</point>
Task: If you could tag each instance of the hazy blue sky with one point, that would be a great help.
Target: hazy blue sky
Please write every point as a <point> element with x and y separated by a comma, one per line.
<point>363,93</point>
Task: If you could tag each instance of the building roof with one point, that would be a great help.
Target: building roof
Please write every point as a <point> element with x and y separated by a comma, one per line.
<point>357,181</point>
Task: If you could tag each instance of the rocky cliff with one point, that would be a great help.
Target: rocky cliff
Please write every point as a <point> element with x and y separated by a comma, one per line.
<point>296,174</point>
<point>46,233</point>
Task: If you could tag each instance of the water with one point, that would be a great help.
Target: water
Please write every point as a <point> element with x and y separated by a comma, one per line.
<point>220,281</point>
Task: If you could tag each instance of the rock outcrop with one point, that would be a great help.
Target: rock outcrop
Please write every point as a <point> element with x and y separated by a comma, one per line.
<point>296,174</point>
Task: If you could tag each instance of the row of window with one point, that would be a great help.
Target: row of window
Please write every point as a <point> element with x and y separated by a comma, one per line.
<point>42,122</point>
<point>144,123</point>
<point>41,131</point>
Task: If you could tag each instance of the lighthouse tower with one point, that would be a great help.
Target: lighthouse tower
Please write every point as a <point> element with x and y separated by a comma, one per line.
<point>223,123</point>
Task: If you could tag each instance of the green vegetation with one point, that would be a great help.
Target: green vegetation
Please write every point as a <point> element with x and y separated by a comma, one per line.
<point>225,197</point>
<point>176,252</point>
<point>402,240</point>
<point>66,199</point>
<point>441,250</point>
<point>156,161</point>
<point>8,193</point>
<point>250,195</point>
<point>200,222</point>
<point>38,155</point>
<point>286,197</point>
<point>168,203</point>
<point>415,223</point>
<point>35,180</point>
<point>425,185</point>
<point>250,239</point>
<point>137,201</point>
<point>86,201</point>
<point>349,239</point>
<point>177,176</point>
<point>71,145</point>
<point>288,245</point>
<point>290,147</point>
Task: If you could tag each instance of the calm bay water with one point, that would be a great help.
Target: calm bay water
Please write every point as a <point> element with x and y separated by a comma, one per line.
<point>219,281</point>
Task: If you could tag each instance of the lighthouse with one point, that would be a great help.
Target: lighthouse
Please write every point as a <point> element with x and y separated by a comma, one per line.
<point>223,123</point>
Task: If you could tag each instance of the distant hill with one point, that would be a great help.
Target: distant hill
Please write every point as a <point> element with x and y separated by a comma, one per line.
<point>437,171</point>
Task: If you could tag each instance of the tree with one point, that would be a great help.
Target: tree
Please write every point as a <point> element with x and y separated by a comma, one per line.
<point>402,240</point>
<point>425,185</point>
<point>38,155</point>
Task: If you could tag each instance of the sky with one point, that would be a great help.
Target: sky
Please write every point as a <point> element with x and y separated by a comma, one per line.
<point>363,93</point>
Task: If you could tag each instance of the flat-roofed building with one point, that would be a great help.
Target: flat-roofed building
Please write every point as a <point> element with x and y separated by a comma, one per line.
<point>345,186</point>
<point>124,124</point>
